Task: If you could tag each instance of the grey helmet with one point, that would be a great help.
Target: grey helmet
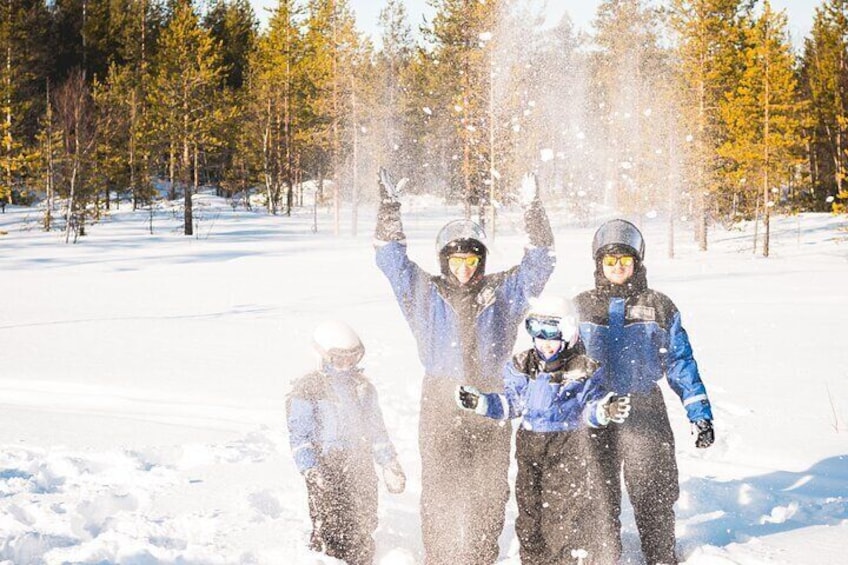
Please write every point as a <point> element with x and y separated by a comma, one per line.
<point>618,233</point>
<point>460,230</point>
<point>461,236</point>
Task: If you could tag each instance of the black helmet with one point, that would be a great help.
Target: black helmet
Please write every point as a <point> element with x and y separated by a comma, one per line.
<point>461,236</point>
<point>619,234</point>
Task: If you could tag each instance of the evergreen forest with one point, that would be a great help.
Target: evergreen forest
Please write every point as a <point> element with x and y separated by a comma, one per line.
<point>702,110</point>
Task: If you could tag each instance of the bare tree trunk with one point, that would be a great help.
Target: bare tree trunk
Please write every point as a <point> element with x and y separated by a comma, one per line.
<point>266,159</point>
<point>354,204</point>
<point>188,215</point>
<point>172,173</point>
<point>49,176</point>
<point>766,156</point>
<point>672,190</point>
<point>69,214</point>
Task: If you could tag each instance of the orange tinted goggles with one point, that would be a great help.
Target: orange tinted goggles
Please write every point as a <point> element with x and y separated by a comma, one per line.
<point>471,261</point>
<point>611,260</point>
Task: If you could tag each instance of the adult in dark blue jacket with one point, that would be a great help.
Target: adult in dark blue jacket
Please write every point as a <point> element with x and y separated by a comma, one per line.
<point>465,323</point>
<point>637,335</point>
<point>336,432</point>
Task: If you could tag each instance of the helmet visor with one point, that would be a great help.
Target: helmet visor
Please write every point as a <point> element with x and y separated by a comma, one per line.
<point>459,230</point>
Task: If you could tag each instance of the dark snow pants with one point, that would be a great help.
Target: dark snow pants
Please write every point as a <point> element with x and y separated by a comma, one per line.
<point>344,511</point>
<point>464,490</point>
<point>643,448</point>
<point>561,501</point>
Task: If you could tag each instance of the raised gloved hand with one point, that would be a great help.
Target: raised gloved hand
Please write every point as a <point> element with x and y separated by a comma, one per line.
<point>314,478</point>
<point>394,477</point>
<point>706,435</point>
<point>470,398</point>
<point>528,191</point>
<point>389,191</point>
<point>617,408</point>
<point>389,226</point>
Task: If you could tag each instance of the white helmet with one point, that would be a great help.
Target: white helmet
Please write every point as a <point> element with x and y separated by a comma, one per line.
<point>552,317</point>
<point>336,344</point>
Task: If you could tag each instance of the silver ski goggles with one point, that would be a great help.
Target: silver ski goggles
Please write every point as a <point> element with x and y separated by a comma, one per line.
<point>544,328</point>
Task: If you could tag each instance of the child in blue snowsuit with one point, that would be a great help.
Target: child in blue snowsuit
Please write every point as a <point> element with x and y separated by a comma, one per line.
<point>337,433</point>
<point>637,335</point>
<point>554,388</point>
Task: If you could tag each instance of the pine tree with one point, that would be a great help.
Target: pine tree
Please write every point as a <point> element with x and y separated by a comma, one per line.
<point>825,72</point>
<point>23,62</point>
<point>513,125</point>
<point>276,107</point>
<point>394,118</point>
<point>460,63</point>
<point>709,35</point>
<point>233,25</point>
<point>762,113</point>
<point>186,76</point>
<point>629,71</point>
<point>332,49</point>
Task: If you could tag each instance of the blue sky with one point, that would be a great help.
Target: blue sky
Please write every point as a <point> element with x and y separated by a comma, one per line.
<point>581,11</point>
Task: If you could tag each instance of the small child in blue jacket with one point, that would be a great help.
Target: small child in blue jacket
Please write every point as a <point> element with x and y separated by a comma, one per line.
<point>337,433</point>
<point>553,388</point>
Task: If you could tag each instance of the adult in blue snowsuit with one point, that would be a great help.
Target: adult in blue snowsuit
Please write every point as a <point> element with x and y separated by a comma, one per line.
<point>465,323</point>
<point>555,389</point>
<point>637,335</point>
<point>337,433</point>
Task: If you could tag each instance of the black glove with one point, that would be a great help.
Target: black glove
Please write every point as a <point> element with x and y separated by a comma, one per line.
<point>706,435</point>
<point>470,398</point>
<point>536,222</point>
<point>617,408</point>
<point>467,397</point>
<point>389,226</point>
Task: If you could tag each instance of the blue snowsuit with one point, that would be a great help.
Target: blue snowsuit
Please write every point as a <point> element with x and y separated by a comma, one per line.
<point>336,426</point>
<point>637,335</point>
<point>558,483</point>
<point>465,335</point>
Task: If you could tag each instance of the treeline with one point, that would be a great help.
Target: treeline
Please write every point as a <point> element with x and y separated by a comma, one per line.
<point>698,108</point>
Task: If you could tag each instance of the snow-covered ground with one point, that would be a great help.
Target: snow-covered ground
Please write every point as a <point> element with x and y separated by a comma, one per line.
<point>143,377</point>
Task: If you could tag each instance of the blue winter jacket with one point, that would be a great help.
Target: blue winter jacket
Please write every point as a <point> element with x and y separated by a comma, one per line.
<point>329,411</point>
<point>548,397</point>
<point>638,337</point>
<point>501,303</point>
